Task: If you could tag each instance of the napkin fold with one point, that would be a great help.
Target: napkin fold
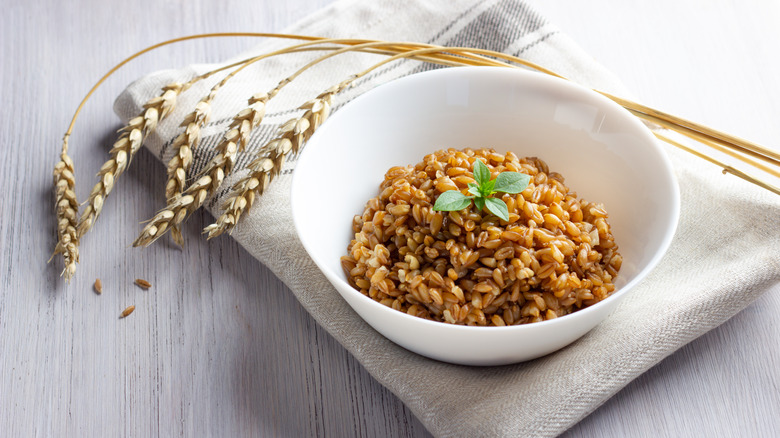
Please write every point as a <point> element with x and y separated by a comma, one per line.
<point>724,256</point>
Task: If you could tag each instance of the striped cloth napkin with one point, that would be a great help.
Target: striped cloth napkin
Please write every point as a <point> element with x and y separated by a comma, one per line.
<point>724,256</point>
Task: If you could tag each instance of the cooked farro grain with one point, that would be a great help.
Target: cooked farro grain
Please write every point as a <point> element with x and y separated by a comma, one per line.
<point>555,254</point>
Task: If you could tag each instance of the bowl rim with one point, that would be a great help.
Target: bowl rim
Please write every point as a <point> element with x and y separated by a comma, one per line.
<point>640,129</point>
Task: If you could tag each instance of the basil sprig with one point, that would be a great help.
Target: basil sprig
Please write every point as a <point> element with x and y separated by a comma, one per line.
<point>481,191</point>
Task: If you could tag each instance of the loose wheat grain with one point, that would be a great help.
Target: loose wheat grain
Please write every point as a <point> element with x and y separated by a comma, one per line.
<point>127,312</point>
<point>143,283</point>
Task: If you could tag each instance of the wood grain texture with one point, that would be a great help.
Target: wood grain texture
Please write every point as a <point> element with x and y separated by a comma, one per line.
<point>218,346</point>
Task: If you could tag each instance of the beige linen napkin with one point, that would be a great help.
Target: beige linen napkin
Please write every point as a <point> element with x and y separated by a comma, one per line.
<point>724,256</point>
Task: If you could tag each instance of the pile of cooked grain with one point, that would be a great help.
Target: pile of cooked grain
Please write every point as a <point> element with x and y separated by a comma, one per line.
<point>555,254</point>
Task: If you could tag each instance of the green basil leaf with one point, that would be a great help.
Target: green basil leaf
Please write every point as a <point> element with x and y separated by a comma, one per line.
<point>452,200</point>
<point>474,189</point>
<point>479,202</point>
<point>511,182</point>
<point>481,172</point>
<point>498,208</point>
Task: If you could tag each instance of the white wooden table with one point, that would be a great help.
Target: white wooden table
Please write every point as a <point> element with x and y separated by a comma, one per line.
<point>218,346</point>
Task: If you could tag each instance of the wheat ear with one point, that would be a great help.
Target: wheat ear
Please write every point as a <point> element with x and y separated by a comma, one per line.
<point>183,145</point>
<point>66,207</point>
<point>180,206</point>
<point>130,140</point>
<point>270,159</point>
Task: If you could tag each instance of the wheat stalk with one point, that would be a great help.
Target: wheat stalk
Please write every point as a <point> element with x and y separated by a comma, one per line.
<point>130,140</point>
<point>222,163</point>
<point>270,158</point>
<point>180,206</point>
<point>69,229</point>
<point>66,207</point>
<point>187,140</point>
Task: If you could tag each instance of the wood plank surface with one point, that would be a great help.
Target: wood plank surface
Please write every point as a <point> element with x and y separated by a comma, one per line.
<point>218,346</point>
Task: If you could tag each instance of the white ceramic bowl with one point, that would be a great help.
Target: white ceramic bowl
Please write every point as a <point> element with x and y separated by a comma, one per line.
<point>605,154</point>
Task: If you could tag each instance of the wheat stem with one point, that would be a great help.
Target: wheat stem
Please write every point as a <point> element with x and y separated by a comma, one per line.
<point>708,136</point>
<point>698,131</point>
<point>726,168</point>
<point>747,160</point>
